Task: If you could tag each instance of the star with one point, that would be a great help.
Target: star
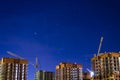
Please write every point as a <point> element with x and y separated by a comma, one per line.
<point>35,33</point>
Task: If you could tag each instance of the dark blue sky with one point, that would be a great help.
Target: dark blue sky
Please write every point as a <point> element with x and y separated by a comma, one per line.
<point>57,31</point>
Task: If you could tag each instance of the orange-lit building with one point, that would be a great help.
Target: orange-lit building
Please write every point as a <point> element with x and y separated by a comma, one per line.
<point>69,71</point>
<point>13,69</point>
<point>106,66</point>
<point>86,76</point>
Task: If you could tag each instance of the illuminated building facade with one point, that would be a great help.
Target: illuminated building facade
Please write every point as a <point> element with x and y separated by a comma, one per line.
<point>13,69</point>
<point>69,71</point>
<point>106,66</point>
<point>86,76</point>
<point>44,75</point>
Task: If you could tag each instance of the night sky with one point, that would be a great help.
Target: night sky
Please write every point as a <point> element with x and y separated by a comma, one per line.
<point>58,31</point>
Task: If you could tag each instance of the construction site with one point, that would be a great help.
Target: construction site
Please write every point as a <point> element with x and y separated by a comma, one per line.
<point>105,66</point>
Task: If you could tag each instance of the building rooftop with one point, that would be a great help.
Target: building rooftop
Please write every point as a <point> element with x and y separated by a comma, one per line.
<point>13,60</point>
<point>108,54</point>
<point>67,64</point>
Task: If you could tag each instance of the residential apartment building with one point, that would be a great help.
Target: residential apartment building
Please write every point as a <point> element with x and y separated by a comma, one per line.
<point>69,71</point>
<point>86,76</point>
<point>44,75</point>
<point>106,66</point>
<point>13,69</point>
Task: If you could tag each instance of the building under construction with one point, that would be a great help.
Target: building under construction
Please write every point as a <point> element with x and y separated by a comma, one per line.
<point>69,71</point>
<point>86,76</point>
<point>44,75</point>
<point>13,69</point>
<point>106,66</point>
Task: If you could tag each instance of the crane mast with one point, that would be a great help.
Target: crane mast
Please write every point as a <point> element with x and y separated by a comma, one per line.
<point>99,48</point>
<point>36,64</point>
<point>101,40</point>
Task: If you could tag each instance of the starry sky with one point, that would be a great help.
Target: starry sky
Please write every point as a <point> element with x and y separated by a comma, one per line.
<point>58,30</point>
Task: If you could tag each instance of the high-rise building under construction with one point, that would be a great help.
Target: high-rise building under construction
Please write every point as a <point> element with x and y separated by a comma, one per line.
<point>106,66</point>
<point>13,69</point>
<point>69,71</point>
<point>44,75</point>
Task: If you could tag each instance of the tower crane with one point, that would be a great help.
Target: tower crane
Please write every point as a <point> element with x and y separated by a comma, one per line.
<point>14,55</point>
<point>99,48</point>
<point>36,65</point>
<point>101,40</point>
